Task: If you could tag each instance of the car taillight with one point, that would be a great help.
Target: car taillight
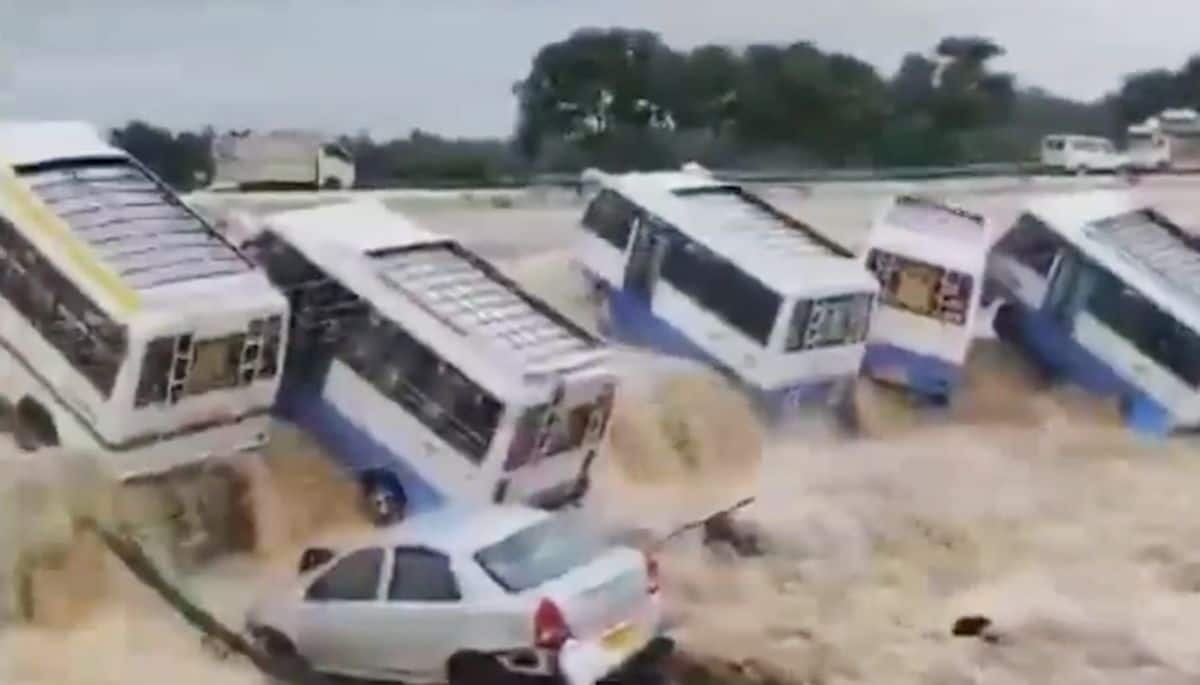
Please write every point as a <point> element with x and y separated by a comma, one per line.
<point>550,629</point>
<point>652,584</point>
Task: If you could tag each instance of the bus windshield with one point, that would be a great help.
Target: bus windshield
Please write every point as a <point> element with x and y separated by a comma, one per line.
<point>922,288</point>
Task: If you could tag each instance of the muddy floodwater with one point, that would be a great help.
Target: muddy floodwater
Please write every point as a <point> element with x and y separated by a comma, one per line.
<point>1027,504</point>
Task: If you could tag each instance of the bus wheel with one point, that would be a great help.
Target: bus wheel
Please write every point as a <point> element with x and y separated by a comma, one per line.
<point>383,499</point>
<point>33,427</point>
<point>1007,323</point>
<point>332,183</point>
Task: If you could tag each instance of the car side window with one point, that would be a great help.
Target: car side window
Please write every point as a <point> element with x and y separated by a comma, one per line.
<point>422,575</point>
<point>355,578</point>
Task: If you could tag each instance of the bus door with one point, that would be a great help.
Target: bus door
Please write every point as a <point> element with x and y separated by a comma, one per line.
<point>646,252</point>
<point>1071,284</point>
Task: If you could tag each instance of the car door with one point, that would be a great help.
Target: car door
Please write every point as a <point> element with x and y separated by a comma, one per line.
<point>424,598</point>
<point>329,630</point>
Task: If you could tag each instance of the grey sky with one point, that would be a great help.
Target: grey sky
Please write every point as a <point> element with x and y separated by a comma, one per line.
<point>448,65</point>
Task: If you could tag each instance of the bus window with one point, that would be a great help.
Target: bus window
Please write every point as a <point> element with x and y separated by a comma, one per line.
<point>524,442</point>
<point>215,364</point>
<point>610,216</point>
<point>89,341</point>
<point>1031,243</point>
<point>921,288</point>
<point>1152,331</point>
<point>156,370</point>
<point>842,320</point>
<point>440,396</point>
<point>720,287</point>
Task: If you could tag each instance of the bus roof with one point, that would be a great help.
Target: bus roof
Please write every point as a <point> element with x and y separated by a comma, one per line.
<point>92,209</point>
<point>34,142</point>
<point>920,226</point>
<point>1135,242</point>
<point>743,228</point>
<point>396,265</point>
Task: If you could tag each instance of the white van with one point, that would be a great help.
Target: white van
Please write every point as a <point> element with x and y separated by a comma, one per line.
<point>1081,154</point>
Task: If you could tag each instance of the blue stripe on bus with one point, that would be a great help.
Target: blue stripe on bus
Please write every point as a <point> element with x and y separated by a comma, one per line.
<point>302,402</point>
<point>632,321</point>
<point>922,373</point>
<point>1055,348</point>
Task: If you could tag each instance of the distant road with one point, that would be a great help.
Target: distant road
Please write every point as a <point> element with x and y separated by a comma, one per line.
<point>555,190</point>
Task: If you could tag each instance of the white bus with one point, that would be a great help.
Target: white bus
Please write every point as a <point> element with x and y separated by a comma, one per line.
<point>697,268</point>
<point>427,373</point>
<point>930,259</point>
<point>1105,292</point>
<point>1077,154</point>
<point>128,326</point>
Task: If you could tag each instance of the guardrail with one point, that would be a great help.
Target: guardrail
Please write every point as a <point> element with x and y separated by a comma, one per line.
<point>841,175</point>
<point>1017,170</point>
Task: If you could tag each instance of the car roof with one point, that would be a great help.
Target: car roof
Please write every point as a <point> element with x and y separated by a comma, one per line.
<point>452,529</point>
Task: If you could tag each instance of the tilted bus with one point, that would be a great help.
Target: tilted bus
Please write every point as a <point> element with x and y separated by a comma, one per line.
<point>930,258</point>
<point>424,371</point>
<point>694,267</point>
<point>1105,291</point>
<point>128,326</point>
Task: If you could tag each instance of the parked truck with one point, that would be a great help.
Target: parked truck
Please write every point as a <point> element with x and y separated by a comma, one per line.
<point>280,159</point>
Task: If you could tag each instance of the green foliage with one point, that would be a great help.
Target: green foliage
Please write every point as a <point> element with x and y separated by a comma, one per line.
<point>183,160</point>
<point>612,93</point>
<point>622,99</point>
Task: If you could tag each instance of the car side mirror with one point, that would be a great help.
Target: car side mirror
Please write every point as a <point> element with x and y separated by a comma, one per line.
<point>314,557</point>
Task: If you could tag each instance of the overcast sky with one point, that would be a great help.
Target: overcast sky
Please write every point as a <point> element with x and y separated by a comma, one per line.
<point>447,66</point>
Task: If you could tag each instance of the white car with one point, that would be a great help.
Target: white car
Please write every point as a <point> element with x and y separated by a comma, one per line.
<point>471,596</point>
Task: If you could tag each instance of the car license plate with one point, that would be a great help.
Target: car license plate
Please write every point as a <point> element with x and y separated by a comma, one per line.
<point>622,638</point>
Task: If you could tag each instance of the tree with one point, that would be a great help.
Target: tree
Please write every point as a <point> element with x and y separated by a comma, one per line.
<point>709,94</point>
<point>1147,93</point>
<point>913,86</point>
<point>592,83</point>
<point>968,95</point>
<point>183,161</point>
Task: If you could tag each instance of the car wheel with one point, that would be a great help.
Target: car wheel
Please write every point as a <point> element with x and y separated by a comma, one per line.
<point>384,500</point>
<point>473,668</point>
<point>279,650</point>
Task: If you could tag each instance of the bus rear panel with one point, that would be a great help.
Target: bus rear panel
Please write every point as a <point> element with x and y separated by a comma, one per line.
<point>929,259</point>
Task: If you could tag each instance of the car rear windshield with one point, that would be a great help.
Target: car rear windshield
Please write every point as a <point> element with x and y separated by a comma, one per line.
<point>540,553</point>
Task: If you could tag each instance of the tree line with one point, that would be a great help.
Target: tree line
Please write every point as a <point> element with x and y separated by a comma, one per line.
<point>623,99</point>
